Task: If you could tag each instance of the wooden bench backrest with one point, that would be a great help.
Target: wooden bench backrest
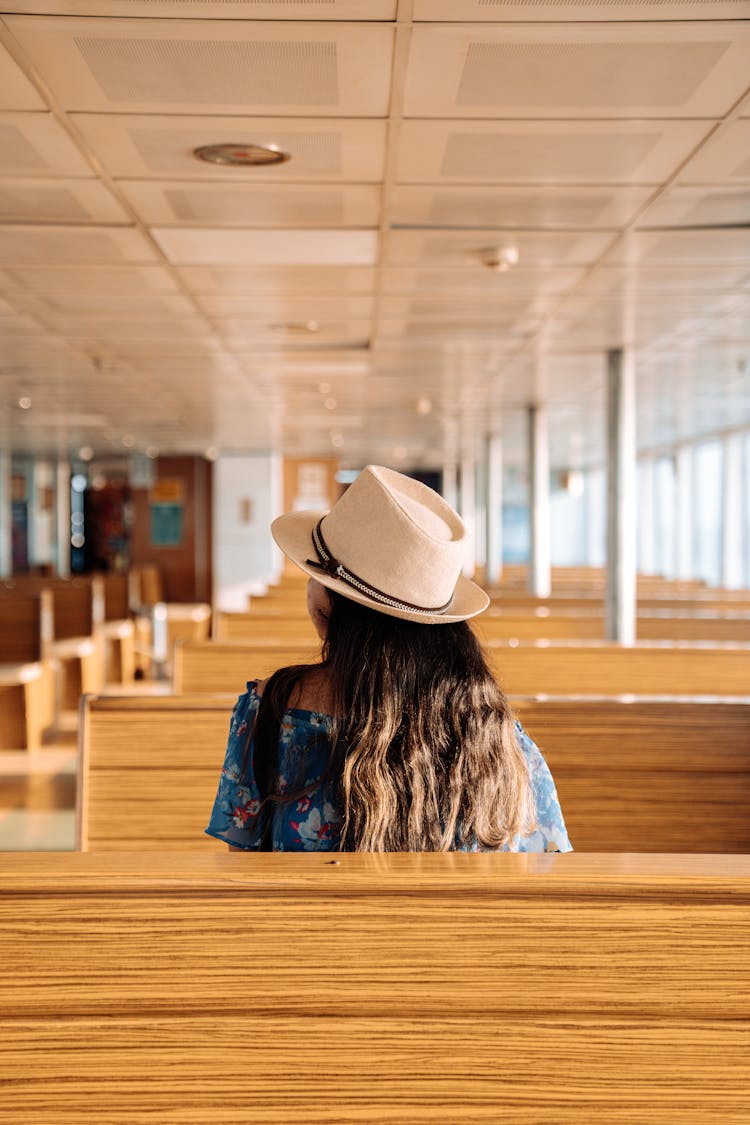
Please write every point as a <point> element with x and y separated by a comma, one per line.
<point>149,768</point>
<point>145,586</point>
<point>516,602</point>
<point>584,627</point>
<point>648,775</point>
<point>77,603</point>
<point>614,670</point>
<point>25,621</point>
<point>406,989</point>
<point>116,597</point>
<point>522,670</point>
<point>631,777</point>
<point>216,666</point>
<point>265,628</point>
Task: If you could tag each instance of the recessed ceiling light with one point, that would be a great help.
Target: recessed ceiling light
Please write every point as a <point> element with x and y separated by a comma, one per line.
<point>128,441</point>
<point>330,404</point>
<point>500,258</point>
<point>241,155</point>
<point>297,327</point>
<point>324,388</point>
<point>424,405</point>
<point>25,403</point>
<point>86,453</point>
<point>152,452</point>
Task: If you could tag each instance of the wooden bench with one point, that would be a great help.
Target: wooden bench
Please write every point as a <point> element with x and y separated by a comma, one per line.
<point>265,628</point>
<point>583,626</point>
<point>117,630</point>
<point>27,687</point>
<point>74,647</point>
<point>594,669</point>
<point>646,776</point>
<point>215,666</point>
<point>612,670</point>
<point>395,990</point>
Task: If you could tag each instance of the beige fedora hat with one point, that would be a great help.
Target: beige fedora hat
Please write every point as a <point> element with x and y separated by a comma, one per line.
<point>390,543</point>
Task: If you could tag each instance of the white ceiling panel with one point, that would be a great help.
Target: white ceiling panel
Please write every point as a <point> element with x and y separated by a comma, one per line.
<point>71,283</point>
<point>466,248</point>
<point>479,281</point>
<point>16,92</point>
<point>302,310</point>
<point>267,247</point>
<point>509,332</point>
<point>592,70</point>
<point>333,333</point>
<point>280,280</point>
<point>554,152</point>
<point>134,327</point>
<point>49,245</point>
<point>684,247</point>
<point>444,310</point>
<point>150,306</point>
<point>33,144</point>
<point>700,206</point>
<point>213,9</point>
<point>508,11</point>
<point>627,282</point>
<point>161,147</point>
<point>200,66</point>
<point>279,205</point>
<point>504,207</point>
<point>61,201</point>
<point>724,159</point>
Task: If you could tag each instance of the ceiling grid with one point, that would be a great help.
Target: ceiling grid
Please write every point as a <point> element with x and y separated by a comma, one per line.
<point>476,192</point>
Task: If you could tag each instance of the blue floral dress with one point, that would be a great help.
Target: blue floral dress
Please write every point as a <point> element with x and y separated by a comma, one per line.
<point>313,823</point>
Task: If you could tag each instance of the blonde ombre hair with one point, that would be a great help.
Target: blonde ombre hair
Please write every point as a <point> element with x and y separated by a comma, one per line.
<point>423,747</point>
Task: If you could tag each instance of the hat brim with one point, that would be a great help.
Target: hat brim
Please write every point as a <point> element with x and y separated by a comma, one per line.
<point>293,534</point>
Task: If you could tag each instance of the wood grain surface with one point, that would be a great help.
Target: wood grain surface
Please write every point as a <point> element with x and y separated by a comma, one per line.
<point>595,669</point>
<point>638,776</point>
<point>402,989</point>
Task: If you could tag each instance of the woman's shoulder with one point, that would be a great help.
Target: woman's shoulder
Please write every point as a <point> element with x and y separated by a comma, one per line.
<point>310,695</point>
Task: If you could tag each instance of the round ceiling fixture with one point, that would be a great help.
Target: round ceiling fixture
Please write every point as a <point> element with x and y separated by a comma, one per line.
<point>499,258</point>
<point>237,155</point>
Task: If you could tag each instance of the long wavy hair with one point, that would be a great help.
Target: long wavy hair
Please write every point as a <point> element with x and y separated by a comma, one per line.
<point>422,743</point>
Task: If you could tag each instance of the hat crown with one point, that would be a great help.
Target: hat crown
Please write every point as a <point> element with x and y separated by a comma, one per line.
<point>397,535</point>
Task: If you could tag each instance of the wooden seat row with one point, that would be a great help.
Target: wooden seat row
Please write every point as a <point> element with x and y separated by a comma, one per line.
<point>641,776</point>
<point>526,669</point>
<point>534,624</point>
<point>59,639</point>
<point>395,990</point>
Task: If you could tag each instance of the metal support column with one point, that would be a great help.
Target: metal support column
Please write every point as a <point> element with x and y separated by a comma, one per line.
<point>494,510</point>
<point>540,579</point>
<point>6,516</point>
<point>684,534</point>
<point>646,518</point>
<point>450,483</point>
<point>731,512</point>
<point>621,488</point>
<point>467,508</point>
<point>62,519</point>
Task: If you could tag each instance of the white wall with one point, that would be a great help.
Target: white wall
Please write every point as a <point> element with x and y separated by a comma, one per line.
<point>247,496</point>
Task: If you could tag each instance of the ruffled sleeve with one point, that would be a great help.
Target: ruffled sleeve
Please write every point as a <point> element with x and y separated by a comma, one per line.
<point>234,818</point>
<point>551,834</point>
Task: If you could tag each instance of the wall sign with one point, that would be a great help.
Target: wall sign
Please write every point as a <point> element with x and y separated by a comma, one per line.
<point>167,513</point>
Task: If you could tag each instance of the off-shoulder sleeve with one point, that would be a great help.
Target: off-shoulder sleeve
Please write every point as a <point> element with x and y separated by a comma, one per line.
<point>551,835</point>
<point>234,818</point>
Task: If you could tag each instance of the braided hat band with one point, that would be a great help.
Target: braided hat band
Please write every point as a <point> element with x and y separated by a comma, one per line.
<point>334,569</point>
